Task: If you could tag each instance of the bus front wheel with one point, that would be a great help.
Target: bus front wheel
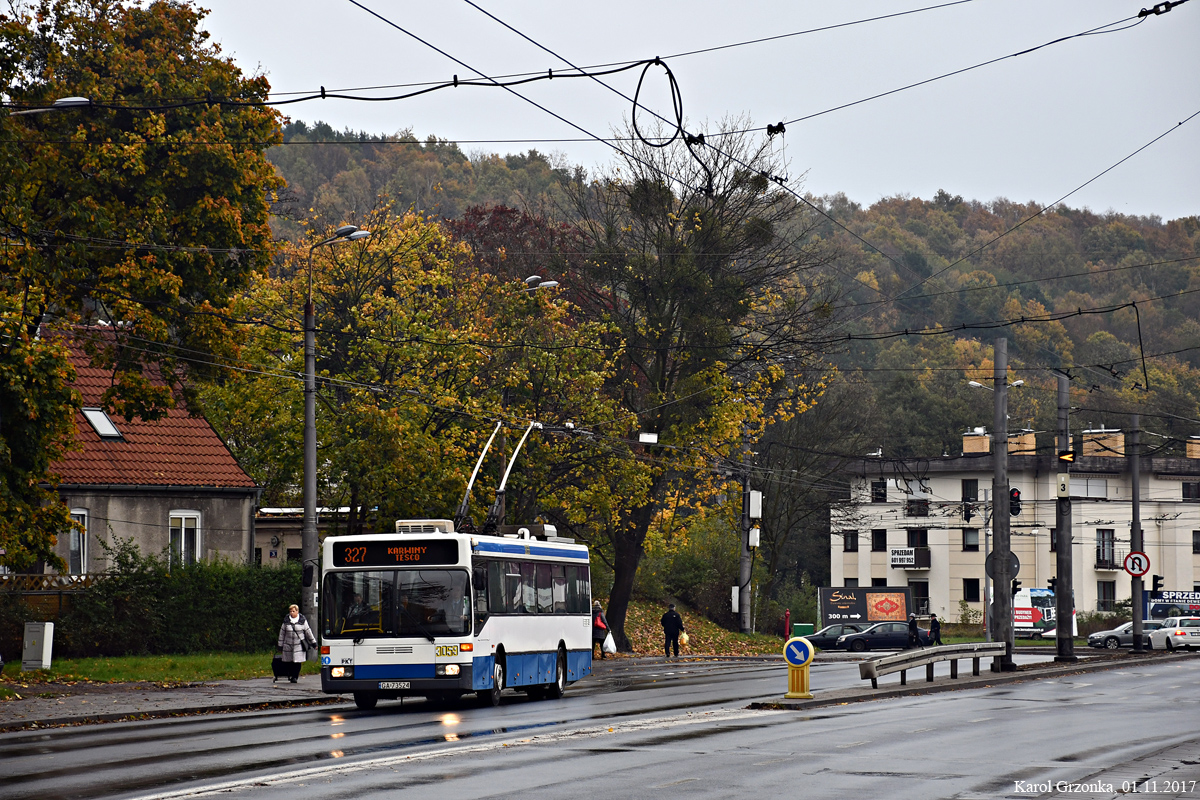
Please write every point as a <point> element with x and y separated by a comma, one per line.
<point>492,696</point>
<point>365,700</point>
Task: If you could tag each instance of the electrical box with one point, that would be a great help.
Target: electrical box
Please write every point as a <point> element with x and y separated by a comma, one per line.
<point>735,599</point>
<point>39,641</point>
<point>755,504</point>
<point>753,538</point>
<point>802,629</point>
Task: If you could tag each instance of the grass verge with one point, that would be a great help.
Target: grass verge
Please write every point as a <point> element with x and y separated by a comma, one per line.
<point>155,669</point>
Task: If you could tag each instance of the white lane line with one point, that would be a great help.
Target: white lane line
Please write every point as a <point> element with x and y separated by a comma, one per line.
<point>308,773</point>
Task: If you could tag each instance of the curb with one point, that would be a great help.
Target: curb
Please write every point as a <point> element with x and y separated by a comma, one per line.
<point>846,696</point>
<point>134,716</point>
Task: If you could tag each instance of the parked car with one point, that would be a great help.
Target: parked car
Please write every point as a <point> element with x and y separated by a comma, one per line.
<point>1177,632</point>
<point>1122,635</point>
<point>881,636</point>
<point>827,637</point>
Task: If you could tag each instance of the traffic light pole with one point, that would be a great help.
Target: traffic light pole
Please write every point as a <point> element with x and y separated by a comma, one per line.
<point>1135,527</point>
<point>1002,544</point>
<point>1064,595</point>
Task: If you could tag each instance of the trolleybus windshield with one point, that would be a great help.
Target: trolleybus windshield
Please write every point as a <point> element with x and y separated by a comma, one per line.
<point>408,602</point>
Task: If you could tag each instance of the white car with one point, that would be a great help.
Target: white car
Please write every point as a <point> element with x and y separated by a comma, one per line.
<point>1176,632</point>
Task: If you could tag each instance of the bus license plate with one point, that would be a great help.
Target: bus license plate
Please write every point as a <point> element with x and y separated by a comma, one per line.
<point>394,685</point>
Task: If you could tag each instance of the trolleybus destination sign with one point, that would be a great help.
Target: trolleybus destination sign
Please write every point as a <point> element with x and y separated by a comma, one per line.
<point>391,553</point>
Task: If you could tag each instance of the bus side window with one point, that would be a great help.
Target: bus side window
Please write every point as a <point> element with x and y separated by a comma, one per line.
<point>545,601</point>
<point>529,584</point>
<point>574,604</point>
<point>479,577</point>
<point>559,577</point>
<point>585,588</point>
<point>514,587</point>
<point>496,593</point>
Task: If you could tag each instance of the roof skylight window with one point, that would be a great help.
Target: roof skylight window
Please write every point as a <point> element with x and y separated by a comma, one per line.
<point>101,422</point>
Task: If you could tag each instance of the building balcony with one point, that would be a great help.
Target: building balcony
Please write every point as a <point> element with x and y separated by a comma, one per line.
<point>1108,560</point>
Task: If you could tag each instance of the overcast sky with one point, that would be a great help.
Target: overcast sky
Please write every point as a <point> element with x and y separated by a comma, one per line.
<point>1031,128</point>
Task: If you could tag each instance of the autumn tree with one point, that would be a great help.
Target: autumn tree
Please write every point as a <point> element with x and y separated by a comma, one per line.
<point>700,263</point>
<point>142,210</point>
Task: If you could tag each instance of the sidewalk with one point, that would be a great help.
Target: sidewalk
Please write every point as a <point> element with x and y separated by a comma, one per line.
<point>53,704</point>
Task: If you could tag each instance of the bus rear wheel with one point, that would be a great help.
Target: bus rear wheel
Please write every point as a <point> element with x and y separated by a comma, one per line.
<point>365,700</point>
<point>555,690</point>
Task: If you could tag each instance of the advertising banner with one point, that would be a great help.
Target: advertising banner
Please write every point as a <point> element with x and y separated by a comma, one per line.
<point>1160,605</point>
<point>864,605</point>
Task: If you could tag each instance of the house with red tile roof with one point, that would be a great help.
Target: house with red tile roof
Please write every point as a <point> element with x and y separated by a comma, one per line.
<point>172,486</point>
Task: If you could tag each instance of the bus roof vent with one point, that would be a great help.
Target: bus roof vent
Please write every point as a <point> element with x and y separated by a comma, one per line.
<point>424,526</point>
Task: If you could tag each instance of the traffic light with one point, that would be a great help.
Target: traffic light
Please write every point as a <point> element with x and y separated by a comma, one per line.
<point>1157,583</point>
<point>968,512</point>
<point>1016,587</point>
<point>1014,501</point>
<point>1052,584</point>
<point>1066,456</point>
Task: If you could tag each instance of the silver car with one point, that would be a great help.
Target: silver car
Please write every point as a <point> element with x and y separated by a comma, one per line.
<point>1122,635</point>
<point>1177,632</point>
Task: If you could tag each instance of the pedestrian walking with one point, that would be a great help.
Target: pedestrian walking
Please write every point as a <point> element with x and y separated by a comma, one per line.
<point>935,630</point>
<point>295,637</point>
<point>672,625</point>
<point>599,627</point>
<point>914,633</point>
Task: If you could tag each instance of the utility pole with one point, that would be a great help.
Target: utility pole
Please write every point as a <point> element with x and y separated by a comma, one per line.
<point>1135,527</point>
<point>1000,514</point>
<point>744,571</point>
<point>1064,586</point>
<point>987,579</point>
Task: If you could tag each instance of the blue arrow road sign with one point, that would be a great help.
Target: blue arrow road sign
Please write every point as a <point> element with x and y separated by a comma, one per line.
<point>798,652</point>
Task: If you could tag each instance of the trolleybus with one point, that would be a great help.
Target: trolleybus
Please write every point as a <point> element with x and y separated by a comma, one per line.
<point>437,613</point>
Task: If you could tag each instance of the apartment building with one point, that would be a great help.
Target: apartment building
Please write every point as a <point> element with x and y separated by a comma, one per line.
<point>926,523</point>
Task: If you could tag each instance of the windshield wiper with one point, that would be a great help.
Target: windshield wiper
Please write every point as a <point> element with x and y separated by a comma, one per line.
<point>421,628</point>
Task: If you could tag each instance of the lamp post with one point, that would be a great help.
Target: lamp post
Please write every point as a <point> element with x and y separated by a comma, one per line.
<point>308,530</point>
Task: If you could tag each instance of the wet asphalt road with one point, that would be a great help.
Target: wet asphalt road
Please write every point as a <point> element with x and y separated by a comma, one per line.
<point>638,730</point>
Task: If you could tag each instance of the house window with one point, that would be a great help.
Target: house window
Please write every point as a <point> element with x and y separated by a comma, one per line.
<point>879,581</point>
<point>850,583</point>
<point>295,554</point>
<point>1191,492</point>
<point>918,537</point>
<point>1089,488</point>
<point>970,490</point>
<point>971,590</point>
<point>878,491</point>
<point>77,559</point>
<point>917,507</point>
<point>258,556</point>
<point>850,541</point>
<point>185,537</point>
<point>1196,541</point>
<point>1106,595</point>
<point>920,595</point>
<point>879,540</point>
<point>970,540</point>
<point>1106,547</point>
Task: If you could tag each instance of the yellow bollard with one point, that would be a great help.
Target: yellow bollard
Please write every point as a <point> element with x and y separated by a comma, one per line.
<point>798,652</point>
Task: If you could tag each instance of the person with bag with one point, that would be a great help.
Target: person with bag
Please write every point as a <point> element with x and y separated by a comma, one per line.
<point>600,630</point>
<point>672,625</point>
<point>295,637</point>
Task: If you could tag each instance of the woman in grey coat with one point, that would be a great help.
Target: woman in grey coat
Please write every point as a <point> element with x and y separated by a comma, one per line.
<point>294,637</point>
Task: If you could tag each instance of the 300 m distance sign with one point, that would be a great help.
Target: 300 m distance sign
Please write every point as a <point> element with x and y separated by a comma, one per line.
<point>1137,563</point>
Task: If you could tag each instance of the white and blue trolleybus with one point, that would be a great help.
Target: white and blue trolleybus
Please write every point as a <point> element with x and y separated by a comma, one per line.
<point>427,611</point>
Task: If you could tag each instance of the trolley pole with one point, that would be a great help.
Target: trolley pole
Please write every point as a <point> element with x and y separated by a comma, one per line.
<point>1135,527</point>
<point>1000,513</point>
<point>1064,599</point>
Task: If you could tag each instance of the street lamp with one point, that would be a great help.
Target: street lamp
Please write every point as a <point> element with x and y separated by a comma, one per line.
<point>61,104</point>
<point>535,282</point>
<point>308,530</point>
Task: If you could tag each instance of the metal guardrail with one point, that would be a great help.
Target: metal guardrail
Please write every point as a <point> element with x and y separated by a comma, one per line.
<point>927,656</point>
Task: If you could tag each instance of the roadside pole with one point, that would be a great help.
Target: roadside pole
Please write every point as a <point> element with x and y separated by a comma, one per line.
<point>744,571</point>
<point>1064,587</point>
<point>987,578</point>
<point>1000,512</point>
<point>1135,528</point>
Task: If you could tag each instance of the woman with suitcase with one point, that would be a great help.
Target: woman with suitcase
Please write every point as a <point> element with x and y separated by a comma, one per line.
<point>295,637</point>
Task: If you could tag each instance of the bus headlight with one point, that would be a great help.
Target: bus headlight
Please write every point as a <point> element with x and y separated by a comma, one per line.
<point>446,670</point>
<point>341,672</point>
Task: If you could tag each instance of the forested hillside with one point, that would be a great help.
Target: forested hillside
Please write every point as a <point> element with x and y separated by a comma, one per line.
<point>821,332</point>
